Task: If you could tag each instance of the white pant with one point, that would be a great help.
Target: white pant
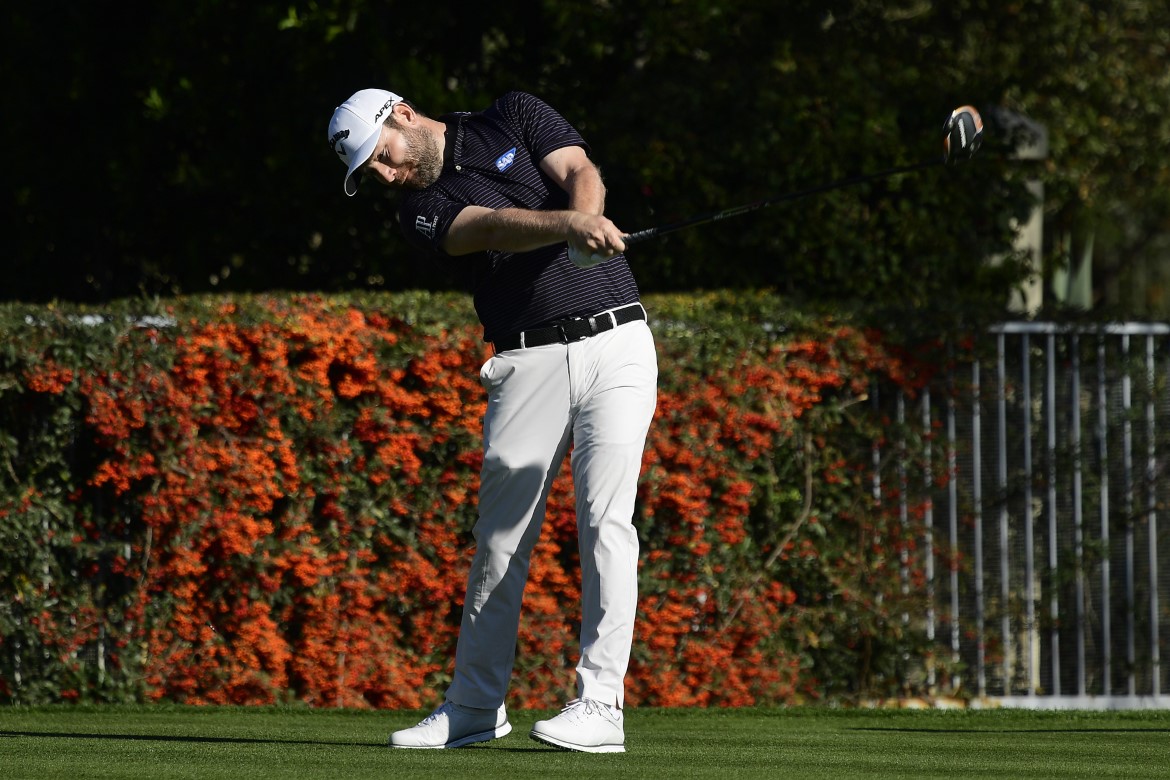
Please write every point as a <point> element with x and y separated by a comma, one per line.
<point>599,394</point>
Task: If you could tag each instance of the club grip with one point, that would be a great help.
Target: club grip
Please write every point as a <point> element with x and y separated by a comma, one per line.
<point>640,237</point>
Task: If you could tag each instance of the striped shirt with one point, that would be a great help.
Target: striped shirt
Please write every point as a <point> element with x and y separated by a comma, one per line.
<point>492,159</point>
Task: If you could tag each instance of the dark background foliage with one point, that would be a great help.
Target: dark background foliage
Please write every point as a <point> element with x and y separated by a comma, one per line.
<point>179,148</point>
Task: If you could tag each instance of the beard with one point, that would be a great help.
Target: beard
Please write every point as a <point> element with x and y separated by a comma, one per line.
<point>423,156</point>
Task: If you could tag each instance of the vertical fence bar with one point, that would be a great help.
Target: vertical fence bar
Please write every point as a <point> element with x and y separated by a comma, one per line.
<point>1005,589</point>
<point>876,484</point>
<point>953,526</point>
<point>1078,518</point>
<point>904,522</point>
<point>1031,653</point>
<point>17,647</point>
<point>876,452</point>
<point>1127,468</point>
<point>1054,584</point>
<point>1151,513</point>
<point>1103,457</point>
<point>977,511</point>
<point>928,535</point>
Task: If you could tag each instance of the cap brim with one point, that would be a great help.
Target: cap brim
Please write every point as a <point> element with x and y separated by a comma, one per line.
<point>353,176</point>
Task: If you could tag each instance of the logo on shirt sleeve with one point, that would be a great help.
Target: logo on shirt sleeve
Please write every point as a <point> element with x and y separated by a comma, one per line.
<point>506,160</point>
<point>424,227</point>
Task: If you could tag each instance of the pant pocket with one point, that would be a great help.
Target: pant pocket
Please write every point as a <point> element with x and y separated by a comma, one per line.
<point>495,372</point>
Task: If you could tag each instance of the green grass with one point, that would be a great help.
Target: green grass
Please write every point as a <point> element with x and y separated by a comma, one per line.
<point>283,744</point>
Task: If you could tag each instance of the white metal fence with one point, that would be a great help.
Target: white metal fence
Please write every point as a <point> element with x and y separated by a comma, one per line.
<point>1048,578</point>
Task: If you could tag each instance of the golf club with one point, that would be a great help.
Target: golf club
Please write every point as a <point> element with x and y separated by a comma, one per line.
<point>964,134</point>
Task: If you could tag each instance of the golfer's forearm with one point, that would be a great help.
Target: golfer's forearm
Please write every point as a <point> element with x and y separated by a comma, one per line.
<point>586,190</point>
<point>507,230</point>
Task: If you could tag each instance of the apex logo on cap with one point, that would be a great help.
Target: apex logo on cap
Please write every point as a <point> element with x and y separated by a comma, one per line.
<point>388,104</point>
<point>340,135</point>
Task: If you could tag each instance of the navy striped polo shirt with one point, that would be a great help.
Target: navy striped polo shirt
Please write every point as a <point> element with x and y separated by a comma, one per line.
<point>492,159</point>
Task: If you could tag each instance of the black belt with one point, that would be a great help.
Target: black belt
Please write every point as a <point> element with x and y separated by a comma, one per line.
<point>573,329</point>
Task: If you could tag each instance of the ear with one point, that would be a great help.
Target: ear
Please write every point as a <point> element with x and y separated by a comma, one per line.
<point>404,114</point>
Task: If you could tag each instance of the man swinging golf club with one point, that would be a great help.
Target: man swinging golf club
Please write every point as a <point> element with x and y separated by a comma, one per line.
<point>508,200</point>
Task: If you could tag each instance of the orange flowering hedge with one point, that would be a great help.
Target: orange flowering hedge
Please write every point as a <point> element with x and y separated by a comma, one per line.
<point>269,499</point>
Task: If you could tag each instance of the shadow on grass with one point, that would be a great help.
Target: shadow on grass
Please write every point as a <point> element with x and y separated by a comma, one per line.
<point>1102,730</point>
<point>173,738</point>
<point>245,740</point>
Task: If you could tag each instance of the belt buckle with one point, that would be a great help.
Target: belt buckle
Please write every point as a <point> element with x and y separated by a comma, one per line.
<point>560,326</point>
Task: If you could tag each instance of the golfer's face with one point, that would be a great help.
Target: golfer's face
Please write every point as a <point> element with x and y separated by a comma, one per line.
<point>391,161</point>
<point>406,156</point>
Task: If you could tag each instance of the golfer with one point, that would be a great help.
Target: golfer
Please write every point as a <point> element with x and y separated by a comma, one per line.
<point>508,200</point>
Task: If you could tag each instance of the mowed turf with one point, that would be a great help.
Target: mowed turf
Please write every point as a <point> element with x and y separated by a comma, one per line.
<point>286,743</point>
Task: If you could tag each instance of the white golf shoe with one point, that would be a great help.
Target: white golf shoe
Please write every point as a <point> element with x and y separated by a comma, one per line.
<point>585,726</point>
<point>453,726</point>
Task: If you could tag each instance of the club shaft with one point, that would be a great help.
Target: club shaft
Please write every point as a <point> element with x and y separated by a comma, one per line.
<point>654,232</point>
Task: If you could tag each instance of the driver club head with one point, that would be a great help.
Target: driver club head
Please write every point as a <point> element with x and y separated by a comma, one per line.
<point>964,134</point>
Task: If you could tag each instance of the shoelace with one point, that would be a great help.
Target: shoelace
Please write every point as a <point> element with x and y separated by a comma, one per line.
<point>585,707</point>
<point>443,710</point>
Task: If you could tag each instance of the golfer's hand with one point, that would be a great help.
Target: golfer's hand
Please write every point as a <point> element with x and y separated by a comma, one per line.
<point>593,239</point>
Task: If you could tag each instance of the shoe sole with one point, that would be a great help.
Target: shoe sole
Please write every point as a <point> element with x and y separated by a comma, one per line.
<point>471,739</point>
<point>562,745</point>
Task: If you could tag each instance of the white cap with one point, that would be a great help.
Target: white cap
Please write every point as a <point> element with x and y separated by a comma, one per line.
<point>355,128</point>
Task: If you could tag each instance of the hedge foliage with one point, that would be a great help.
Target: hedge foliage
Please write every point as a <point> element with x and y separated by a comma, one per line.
<point>269,499</point>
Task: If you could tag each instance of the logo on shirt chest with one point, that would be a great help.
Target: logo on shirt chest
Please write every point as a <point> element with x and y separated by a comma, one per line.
<point>506,159</point>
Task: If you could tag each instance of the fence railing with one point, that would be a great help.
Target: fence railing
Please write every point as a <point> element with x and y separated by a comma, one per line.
<point>1048,579</point>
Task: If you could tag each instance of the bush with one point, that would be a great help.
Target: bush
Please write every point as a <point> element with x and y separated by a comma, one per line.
<point>265,499</point>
